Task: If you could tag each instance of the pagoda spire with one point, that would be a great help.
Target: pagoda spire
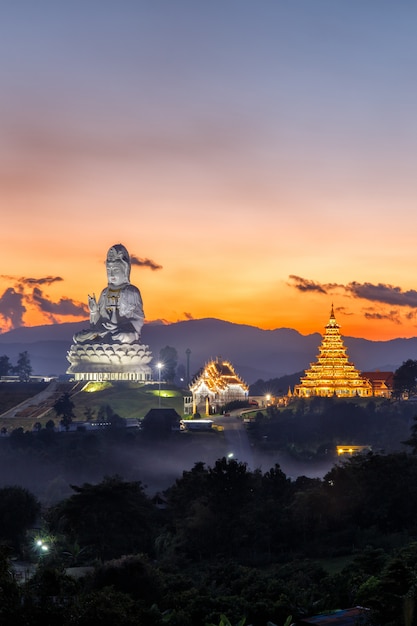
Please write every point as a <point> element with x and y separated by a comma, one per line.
<point>332,373</point>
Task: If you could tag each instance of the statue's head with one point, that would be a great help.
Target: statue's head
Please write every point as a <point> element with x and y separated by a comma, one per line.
<point>118,265</point>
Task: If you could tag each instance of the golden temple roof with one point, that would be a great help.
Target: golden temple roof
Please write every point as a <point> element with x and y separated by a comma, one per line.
<point>332,373</point>
<point>218,375</point>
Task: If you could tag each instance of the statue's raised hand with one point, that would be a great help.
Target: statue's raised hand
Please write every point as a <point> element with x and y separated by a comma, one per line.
<point>92,303</point>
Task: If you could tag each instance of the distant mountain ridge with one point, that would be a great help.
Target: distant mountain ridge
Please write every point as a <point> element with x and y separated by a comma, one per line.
<point>254,352</point>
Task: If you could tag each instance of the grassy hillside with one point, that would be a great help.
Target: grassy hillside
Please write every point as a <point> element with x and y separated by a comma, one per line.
<point>126,399</point>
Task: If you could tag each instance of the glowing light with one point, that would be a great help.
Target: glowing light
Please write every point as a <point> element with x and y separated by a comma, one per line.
<point>42,546</point>
<point>159,365</point>
<point>332,374</point>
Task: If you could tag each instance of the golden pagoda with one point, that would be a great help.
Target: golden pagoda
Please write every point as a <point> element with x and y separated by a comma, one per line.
<point>332,374</point>
<point>217,384</point>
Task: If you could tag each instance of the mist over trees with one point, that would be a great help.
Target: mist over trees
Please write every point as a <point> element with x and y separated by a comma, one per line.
<point>214,537</point>
<point>222,539</point>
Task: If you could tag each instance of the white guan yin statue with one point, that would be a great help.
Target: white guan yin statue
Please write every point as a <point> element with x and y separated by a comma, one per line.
<point>110,349</point>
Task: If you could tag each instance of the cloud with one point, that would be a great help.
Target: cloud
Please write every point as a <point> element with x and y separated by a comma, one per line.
<point>144,263</point>
<point>304,284</point>
<point>47,280</point>
<point>12,307</point>
<point>381,292</point>
<point>391,316</point>
<point>23,280</point>
<point>65,306</point>
<point>343,310</point>
<point>188,316</point>
<point>26,292</point>
<point>386,294</point>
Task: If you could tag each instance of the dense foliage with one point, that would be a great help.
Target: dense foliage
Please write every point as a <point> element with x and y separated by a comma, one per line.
<point>319,424</point>
<point>222,540</point>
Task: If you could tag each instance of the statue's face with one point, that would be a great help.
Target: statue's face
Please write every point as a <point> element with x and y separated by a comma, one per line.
<point>116,275</point>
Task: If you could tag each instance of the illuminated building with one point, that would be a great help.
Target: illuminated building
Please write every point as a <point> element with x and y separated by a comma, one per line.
<point>332,374</point>
<point>217,384</point>
<point>382,383</point>
<point>351,449</point>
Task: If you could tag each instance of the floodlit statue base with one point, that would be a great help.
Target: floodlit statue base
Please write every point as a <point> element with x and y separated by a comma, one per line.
<point>110,362</point>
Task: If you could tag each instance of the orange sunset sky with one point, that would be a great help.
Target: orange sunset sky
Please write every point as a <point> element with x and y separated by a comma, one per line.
<point>257,159</point>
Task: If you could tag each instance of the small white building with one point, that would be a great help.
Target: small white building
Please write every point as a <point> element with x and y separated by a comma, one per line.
<point>215,385</point>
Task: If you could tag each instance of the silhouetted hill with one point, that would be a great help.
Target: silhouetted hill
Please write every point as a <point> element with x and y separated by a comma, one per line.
<point>254,352</point>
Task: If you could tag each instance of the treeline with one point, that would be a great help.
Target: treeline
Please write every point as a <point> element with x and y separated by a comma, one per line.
<point>22,369</point>
<point>275,386</point>
<point>317,425</point>
<point>220,540</point>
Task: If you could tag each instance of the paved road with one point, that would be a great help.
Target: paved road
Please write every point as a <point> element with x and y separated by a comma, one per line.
<point>237,439</point>
<point>43,400</point>
<point>239,445</point>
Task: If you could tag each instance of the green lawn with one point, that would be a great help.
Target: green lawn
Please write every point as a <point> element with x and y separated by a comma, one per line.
<point>129,400</point>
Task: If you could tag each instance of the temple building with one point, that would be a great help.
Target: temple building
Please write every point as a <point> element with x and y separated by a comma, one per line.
<point>332,374</point>
<point>215,385</point>
<point>382,383</point>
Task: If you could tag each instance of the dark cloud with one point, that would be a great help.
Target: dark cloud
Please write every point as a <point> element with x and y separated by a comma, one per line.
<point>304,284</point>
<point>392,316</point>
<point>47,280</point>
<point>342,310</point>
<point>188,316</point>
<point>383,293</point>
<point>12,307</point>
<point>144,263</point>
<point>23,280</point>
<point>27,292</point>
<point>65,306</point>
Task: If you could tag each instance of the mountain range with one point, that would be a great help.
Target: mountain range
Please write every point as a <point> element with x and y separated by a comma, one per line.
<point>255,353</point>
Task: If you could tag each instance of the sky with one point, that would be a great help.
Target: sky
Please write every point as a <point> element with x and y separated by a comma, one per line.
<point>257,158</point>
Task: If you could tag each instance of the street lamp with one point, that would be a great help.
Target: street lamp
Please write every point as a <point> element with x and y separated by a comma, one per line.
<point>41,546</point>
<point>159,366</point>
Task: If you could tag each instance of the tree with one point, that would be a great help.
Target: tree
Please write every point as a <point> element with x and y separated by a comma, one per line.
<point>23,369</point>
<point>10,605</point>
<point>169,357</point>
<point>405,378</point>
<point>181,376</point>
<point>412,441</point>
<point>5,366</point>
<point>64,407</point>
<point>89,414</point>
<point>105,607</point>
<point>112,518</point>
<point>18,512</point>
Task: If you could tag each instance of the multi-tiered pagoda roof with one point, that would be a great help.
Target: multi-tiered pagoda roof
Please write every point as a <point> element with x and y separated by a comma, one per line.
<point>333,374</point>
<point>218,382</point>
